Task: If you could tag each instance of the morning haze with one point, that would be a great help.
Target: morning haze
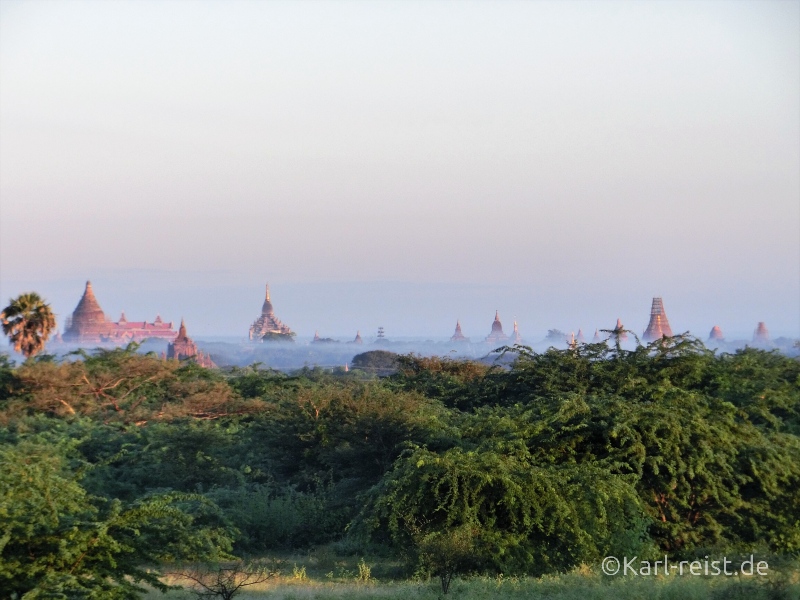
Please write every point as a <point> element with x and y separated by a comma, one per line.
<point>405,164</point>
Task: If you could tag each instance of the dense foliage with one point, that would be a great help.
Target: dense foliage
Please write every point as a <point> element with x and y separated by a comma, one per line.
<point>114,460</point>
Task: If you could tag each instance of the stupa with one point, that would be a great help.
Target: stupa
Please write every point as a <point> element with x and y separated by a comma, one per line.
<point>496,336</point>
<point>88,324</point>
<point>516,338</point>
<point>761,334</point>
<point>620,327</point>
<point>659,325</point>
<point>268,326</point>
<point>716,334</point>
<point>596,339</point>
<point>358,339</point>
<point>579,338</point>
<point>184,348</point>
<point>458,336</point>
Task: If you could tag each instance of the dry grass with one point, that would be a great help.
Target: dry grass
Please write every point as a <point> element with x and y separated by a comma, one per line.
<point>300,580</point>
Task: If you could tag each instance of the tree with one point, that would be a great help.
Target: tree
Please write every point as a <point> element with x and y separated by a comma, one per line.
<point>58,541</point>
<point>380,362</point>
<point>28,321</point>
<point>448,553</point>
<point>224,581</point>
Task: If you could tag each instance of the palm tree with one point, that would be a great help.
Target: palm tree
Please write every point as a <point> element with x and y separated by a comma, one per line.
<point>28,321</point>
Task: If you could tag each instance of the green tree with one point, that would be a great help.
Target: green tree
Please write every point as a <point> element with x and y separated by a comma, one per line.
<point>28,322</point>
<point>58,541</point>
<point>380,362</point>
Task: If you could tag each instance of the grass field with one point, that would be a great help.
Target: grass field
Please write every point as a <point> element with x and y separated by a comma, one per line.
<point>304,578</point>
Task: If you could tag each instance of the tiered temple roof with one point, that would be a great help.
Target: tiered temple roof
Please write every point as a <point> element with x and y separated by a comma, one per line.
<point>496,336</point>
<point>268,324</point>
<point>659,325</point>
<point>88,324</point>
<point>183,348</point>
<point>458,336</point>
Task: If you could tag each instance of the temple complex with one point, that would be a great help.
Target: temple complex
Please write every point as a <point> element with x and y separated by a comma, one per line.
<point>184,348</point>
<point>458,336</point>
<point>716,334</point>
<point>88,324</point>
<point>761,334</point>
<point>659,325</point>
<point>497,336</point>
<point>268,325</point>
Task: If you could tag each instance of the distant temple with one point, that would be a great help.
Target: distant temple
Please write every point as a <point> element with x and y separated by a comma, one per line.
<point>596,337</point>
<point>497,335</point>
<point>621,328</point>
<point>88,324</point>
<point>659,325</point>
<point>184,348</point>
<point>761,334</point>
<point>580,339</point>
<point>458,336</point>
<point>358,339</point>
<point>322,340</point>
<point>516,338</point>
<point>716,334</point>
<point>268,326</point>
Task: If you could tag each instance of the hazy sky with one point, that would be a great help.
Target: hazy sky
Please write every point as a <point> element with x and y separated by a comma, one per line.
<point>405,163</point>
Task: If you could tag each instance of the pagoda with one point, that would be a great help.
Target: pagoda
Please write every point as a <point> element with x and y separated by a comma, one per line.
<point>761,334</point>
<point>458,336</point>
<point>516,338</point>
<point>621,328</point>
<point>596,339</point>
<point>580,339</point>
<point>184,348</point>
<point>659,325</point>
<point>268,326</point>
<point>716,334</point>
<point>88,324</point>
<point>496,336</point>
<point>358,339</point>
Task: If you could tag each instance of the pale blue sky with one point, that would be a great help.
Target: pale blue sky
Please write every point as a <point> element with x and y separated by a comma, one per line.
<point>405,163</point>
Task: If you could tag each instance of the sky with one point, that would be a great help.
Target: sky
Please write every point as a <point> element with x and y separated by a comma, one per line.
<point>405,164</point>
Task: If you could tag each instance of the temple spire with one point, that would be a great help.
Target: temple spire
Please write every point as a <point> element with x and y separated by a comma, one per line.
<point>458,336</point>
<point>761,334</point>
<point>516,337</point>
<point>621,328</point>
<point>182,331</point>
<point>267,297</point>
<point>659,325</point>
